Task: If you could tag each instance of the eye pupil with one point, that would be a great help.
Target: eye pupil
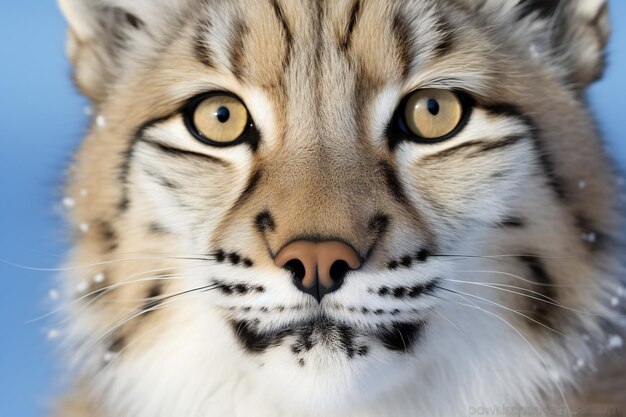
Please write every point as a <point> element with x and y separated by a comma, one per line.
<point>222,114</point>
<point>433,106</point>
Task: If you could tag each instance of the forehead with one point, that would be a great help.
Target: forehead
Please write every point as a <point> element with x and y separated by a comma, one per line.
<point>281,43</point>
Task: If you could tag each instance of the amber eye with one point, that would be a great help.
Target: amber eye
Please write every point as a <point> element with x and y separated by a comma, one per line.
<point>217,119</point>
<point>432,114</point>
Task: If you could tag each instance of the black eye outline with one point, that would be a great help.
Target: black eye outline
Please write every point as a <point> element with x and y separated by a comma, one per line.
<point>398,131</point>
<point>250,134</point>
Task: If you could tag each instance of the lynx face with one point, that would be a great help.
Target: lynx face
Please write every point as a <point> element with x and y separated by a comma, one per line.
<point>336,208</point>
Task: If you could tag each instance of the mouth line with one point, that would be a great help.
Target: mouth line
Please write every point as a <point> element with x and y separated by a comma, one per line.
<point>331,333</point>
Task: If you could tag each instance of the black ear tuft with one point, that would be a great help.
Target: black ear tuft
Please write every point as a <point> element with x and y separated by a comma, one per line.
<point>544,8</point>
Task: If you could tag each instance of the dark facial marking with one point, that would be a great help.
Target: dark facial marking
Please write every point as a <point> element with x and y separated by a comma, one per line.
<point>157,228</point>
<point>541,312</point>
<point>503,143</point>
<point>400,337</point>
<point>255,342</point>
<point>225,289</point>
<point>347,340</point>
<point>286,32</point>
<point>308,334</point>
<point>161,180</point>
<point>393,265</point>
<point>393,183</point>
<point>264,222</point>
<point>237,63</point>
<point>239,289</point>
<point>305,342</point>
<point>107,235</point>
<point>407,292</point>
<point>417,290</point>
<point>545,8</point>
<point>253,182</point>
<point>181,153</point>
<point>117,345</point>
<point>378,224</point>
<point>128,154</point>
<point>155,291</point>
<point>404,43</point>
<point>346,39</point>
<point>422,255</point>
<point>234,258</point>
<point>407,260</point>
<point>592,238</point>
<point>399,292</point>
<point>377,228</point>
<point>219,255</point>
<point>134,21</point>
<point>512,222</point>
<point>475,148</point>
<point>124,202</point>
<point>446,42</point>
<point>547,165</point>
<point>201,48</point>
<point>153,299</point>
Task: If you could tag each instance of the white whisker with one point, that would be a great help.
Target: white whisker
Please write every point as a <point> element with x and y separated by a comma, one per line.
<point>505,308</point>
<point>535,351</point>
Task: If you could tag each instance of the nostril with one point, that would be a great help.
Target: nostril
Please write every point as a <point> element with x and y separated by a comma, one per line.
<point>297,269</point>
<point>338,270</point>
<point>318,268</point>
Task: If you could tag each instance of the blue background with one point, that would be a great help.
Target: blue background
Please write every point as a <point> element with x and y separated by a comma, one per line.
<point>41,122</point>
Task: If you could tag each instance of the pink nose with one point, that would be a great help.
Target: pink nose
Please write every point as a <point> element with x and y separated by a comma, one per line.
<point>318,268</point>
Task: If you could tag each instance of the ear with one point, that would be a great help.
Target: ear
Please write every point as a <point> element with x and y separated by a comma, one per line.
<point>105,36</point>
<point>568,35</point>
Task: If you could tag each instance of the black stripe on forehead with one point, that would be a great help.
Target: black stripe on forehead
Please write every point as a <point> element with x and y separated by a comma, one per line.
<point>236,55</point>
<point>201,48</point>
<point>403,36</point>
<point>286,31</point>
<point>445,29</point>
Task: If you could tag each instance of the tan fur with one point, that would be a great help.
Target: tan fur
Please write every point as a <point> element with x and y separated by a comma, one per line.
<point>321,165</point>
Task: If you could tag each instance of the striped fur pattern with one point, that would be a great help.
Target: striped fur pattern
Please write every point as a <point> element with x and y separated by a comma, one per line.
<point>491,259</point>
